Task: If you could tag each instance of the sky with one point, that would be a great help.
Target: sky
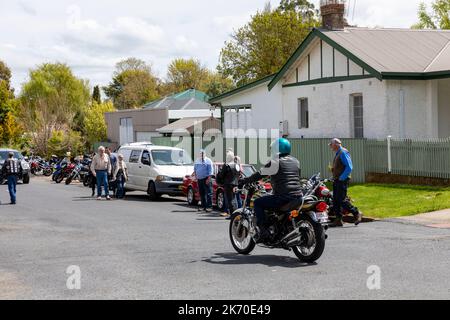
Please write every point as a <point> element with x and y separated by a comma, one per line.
<point>91,36</point>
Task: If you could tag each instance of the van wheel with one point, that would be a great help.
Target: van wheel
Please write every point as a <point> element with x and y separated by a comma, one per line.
<point>152,192</point>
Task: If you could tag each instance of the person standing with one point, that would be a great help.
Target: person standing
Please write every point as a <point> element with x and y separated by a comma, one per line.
<point>11,170</point>
<point>120,176</point>
<point>203,170</point>
<point>342,168</point>
<point>113,160</point>
<point>101,169</point>
<point>231,172</point>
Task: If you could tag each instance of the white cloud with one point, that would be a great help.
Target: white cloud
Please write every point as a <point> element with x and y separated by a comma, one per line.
<point>92,36</point>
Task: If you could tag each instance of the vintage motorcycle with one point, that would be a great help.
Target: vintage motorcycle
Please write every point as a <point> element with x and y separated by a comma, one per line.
<point>322,192</point>
<point>299,226</point>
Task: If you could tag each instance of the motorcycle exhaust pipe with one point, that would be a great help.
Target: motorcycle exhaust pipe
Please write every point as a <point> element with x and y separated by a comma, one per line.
<point>294,233</point>
<point>294,242</point>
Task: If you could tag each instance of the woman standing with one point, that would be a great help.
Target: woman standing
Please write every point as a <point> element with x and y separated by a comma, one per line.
<point>231,174</point>
<point>120,175</point>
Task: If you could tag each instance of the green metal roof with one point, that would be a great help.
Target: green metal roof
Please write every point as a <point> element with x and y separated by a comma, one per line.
<point>185,95</point>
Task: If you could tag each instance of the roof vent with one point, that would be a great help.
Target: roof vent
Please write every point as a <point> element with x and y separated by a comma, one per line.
<point>333,12</point>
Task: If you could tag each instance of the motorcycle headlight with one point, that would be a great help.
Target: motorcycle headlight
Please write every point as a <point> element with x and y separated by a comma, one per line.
<point>25,165</point>
<point>163,179</point>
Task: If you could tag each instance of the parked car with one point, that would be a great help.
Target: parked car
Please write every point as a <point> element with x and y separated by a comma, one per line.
<point>25,178</point>
<point>191,191</point>
<point>156,170</point>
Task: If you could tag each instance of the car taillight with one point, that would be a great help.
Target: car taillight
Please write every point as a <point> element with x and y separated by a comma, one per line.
<point>321,207</point>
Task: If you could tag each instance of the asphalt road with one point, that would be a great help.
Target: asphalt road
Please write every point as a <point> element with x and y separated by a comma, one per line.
<point>136,249</point>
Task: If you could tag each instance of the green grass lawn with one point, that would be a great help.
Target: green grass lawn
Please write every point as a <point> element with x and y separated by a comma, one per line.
<point>389,201</point>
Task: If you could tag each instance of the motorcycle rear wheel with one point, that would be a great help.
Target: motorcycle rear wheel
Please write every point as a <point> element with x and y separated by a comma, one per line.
<point>240,236</point>
<point>312,251</point>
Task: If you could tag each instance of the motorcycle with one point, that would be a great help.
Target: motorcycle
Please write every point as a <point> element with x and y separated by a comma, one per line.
<point>39,167</point>
<point>75,174</point>
<point>64,172</point>
<point>323,193</point>
<point>299,226</point>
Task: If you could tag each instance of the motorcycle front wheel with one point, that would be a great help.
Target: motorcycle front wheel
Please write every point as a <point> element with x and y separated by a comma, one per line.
<point>69,179</point>
<point>240,236</point>
<point>59,178</point>
<point>48,172</point>
<point>313,240</point>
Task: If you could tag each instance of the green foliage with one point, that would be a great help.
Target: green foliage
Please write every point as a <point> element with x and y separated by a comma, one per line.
<point>61,142</point>
<point>96,95</point>
<point>263,45</point>
<point>133,84</point>
<point>53,99</point>
<point>304,7</point>
<point>94,122</point>
<point>439,18</point>
<point>216,84</point>
<point>184,74</point>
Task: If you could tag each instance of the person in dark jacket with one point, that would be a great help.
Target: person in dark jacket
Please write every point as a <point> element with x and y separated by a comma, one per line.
<point>284,172</point>
<point>231,173</point>
<point>342,168</point>
<point>11,170</point>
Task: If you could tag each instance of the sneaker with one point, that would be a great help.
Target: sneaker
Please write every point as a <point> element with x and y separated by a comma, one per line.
<point>208,210</point>
<point>358,218</point>
<point>225,215</point>
<point>99,198</point>
<point>108,198</point>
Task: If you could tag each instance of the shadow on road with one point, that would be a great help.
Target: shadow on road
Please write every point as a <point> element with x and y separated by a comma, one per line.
<point>268,260</point>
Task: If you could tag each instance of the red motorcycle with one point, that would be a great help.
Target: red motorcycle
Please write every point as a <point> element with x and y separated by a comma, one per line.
<point>323,193</point>
<point>66,171</point>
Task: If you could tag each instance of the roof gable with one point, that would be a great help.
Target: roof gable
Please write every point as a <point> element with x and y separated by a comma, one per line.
<point>384,53</point>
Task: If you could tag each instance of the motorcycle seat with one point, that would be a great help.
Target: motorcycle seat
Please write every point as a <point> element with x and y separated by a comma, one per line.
<point>293,205</point>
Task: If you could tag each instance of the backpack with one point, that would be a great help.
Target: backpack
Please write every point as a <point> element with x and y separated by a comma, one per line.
<point>220,178</point>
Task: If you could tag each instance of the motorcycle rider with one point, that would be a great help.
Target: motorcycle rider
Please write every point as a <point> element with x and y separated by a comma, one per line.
<point>284,172</point>
<point>12,169</point>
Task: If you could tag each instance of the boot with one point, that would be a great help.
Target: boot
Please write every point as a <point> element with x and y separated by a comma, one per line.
<point>358,218</point>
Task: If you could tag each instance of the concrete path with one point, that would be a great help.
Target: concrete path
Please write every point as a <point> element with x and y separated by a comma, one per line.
<point>437,219</point>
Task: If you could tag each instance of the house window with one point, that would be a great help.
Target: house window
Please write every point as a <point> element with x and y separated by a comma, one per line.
<point>303,113</point>
<point>358,115</point>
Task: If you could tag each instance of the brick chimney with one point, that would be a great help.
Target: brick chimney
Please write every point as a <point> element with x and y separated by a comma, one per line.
<point>332,12</point>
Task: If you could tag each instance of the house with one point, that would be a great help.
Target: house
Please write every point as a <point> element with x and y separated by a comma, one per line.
<point>189,103</point>
<point>190,125</point>
<point>352,83</point>
<point>138,125</point>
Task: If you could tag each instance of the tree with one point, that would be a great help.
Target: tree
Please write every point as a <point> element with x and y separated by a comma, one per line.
<point>61,142</point>
<point>133,84</point>
<point>439,18</point>
<point>53,99</point>
<point>262,46</point>
<point>304,7</point>
<point>216,84</point>
<point>94,122</point>
<point>96,95</point>
<point>10,129</point>
<point>184,74</point>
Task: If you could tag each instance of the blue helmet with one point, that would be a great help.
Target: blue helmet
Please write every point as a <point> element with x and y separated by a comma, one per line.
<point>281,146</point>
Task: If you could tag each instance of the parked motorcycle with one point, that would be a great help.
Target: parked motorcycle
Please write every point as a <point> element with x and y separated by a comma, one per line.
<point>75,174</point>
<point>299,226</point>
<point>64,172</point>
<point>322,192</point>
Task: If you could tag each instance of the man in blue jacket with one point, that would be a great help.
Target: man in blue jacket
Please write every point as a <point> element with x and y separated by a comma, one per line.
<point>204,170</point>
<point>342,170</point>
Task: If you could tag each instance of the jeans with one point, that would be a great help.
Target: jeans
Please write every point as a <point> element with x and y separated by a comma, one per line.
<point>229,194</point>
<point>270,202</point>
<point>340,200</point>
<point>120,184</point>
<point>12,183</point>
<point>205,190</point>
<point>102,180</point>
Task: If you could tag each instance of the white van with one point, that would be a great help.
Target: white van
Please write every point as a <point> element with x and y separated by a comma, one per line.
<point>156,170</point>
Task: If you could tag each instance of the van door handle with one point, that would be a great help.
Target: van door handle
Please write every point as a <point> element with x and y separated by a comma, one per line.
<point>140,167</point>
